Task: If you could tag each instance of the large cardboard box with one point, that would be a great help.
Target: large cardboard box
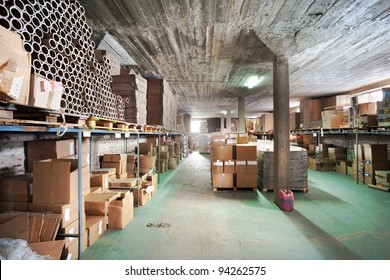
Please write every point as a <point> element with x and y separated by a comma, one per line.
<point>246,152</point>
<point>246,180</point>
<point>222,152</point>
<point>68,212</point>
<point>56,181</point>
<point>375,152</point>
<point>6,206</point>
<point>242,138</point>
<point>223,180</point>
<point>96,226</point>
<point>120,210</point>
<point>368,108</point>
<point>229,166</point>
<point>241,166</point>
<point>45,93</point>
<point>16,188</point>
<point>53,249</point>
<point>147,162</point>
<point>46,149</point>
<point>331,119</point>
<point>15,68</point>
<point>251,167</point>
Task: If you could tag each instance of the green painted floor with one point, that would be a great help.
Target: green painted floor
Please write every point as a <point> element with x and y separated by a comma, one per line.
<point>337,219</point>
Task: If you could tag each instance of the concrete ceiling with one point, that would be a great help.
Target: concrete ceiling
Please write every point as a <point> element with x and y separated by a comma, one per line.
<point>207,49</point>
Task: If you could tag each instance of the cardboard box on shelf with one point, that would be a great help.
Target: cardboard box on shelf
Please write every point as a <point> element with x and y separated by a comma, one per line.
<point>45,93</point>
<point>49,149</point>
<point>336,153</point>
<point>246,152</point>
<point>6,206</point>
<point>100,180</point>
<point>120,210</point>
<point>56,181</point>
<point>15,68</point>
<point>371,166</point>
<point>72,228</point>
<point>331,119</point>
<point>119,166</point>
<point>242,138</point>
<point>16,188</point>
<point>154,182</point>
<point>53,249</point>
<point>110,171</point>
<point>14,225</point>
<point>173,163</point>
<point>144,194</point>
<point>246,180</point>
<point>96,204</point>
<point>114,157</point>
<point>147,162</point>
<point>223,180</point>
<point>229,166</point>
<point>375,152</point>
<point>124,183</point>
<point>96,226</point>
<point>368,108</point>
<point>68,212</point>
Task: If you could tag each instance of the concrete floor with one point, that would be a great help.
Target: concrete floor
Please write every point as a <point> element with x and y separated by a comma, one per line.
<point>337,219</point>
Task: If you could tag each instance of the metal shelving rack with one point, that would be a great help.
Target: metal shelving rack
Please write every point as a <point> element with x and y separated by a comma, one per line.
<point>79,133</point>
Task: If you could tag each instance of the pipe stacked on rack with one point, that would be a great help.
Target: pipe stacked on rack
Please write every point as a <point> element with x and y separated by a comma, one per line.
<point>58,37</point>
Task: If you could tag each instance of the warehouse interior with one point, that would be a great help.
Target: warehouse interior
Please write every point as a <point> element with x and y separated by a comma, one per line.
<point>194,130</point>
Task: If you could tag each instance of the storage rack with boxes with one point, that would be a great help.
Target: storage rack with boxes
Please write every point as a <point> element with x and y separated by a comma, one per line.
<point>81,198</point>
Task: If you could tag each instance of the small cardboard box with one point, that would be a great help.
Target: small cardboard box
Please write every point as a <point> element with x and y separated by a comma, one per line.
<point>68,212</point>
<point>251,167</point>
<point>229,166</point>
<point>242,138</point>
<point>100,180</point>
<point>45,93</point>
<point>96,204</point>
<point>120,210</point>
<point>246,180</point>
<point>154,182</point>
<point>109,171</point>
<point>240,166</point>
<point>96,226</point>
<point>144,194</point>
<point>147,162</point>
<point>117,165</point>
<point>223,180</point>
<point>16,188</point>
<point>56,181</point>
<point>124,183</point>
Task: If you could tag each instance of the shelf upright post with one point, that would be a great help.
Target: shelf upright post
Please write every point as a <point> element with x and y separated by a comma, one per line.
<point>80,190</point>
<point>357,156</point>
<point>158,158</point>
<point>138,180</point>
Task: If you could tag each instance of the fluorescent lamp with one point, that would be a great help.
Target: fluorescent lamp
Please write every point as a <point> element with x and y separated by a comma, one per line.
<point>252,81</point>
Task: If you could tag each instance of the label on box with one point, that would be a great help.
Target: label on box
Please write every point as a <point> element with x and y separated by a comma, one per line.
<point>67,215</point>
<point>117,135</point>
<point>87,159</point>
<point>231,141</point>
<point>242,135</point>
<point>100,227</point>
<point>218,163</point>
<point>16,87</point>
<point>71,231</point>
<point>252,162</point>
<point>72,149</point>
<point>69,257</point>
<point>31,188</point>
<point>105,183</point>
<point>86,133</point>
<point>127,134</point>
<point>240,162</point>
<point>229,162</point>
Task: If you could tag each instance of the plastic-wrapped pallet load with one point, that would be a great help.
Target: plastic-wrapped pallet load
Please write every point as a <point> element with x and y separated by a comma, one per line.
<point>298,166</point>
<point>204,143</point>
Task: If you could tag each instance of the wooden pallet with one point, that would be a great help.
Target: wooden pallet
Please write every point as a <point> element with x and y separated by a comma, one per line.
<point>100,123</point>
<point>136,127</point>
<point>379,187</point>
<point>304,190</point>
<point>234,189</point>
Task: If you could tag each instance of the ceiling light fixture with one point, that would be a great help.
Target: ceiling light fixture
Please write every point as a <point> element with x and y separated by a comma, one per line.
<point>253,81</point>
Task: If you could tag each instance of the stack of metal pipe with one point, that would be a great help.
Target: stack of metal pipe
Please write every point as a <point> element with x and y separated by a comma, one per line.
<point>58,37</point>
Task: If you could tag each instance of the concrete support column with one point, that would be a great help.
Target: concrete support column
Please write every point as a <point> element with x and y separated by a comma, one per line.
<point>241,114</point>
<point>281,124</point>
<point>222,123</point>
<point>229,120</point>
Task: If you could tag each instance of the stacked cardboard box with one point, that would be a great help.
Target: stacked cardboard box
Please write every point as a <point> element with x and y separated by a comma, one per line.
<point>117,161</point>
<point>375,158</point>
<point>336,153</point>
<point>382,178</point>
<point>132,87</point>
<point>15,192</point>
<point>161,104</point>
<point>343,166</point>
<point>298,166</point>
<point>332,119</point>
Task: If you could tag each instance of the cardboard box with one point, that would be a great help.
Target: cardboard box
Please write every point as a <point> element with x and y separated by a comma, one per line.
<point>144,194</point>
<point>371,167</point>
<point>147,162</point>
<point>217,167</point>
<point>68,212</point>
<point>6,206</point>
<point>336,153</point>
<point>117,165</point>
<point>96,226</point>
<point>229,166</point>
<point>16,188</point>
<point>242,138</point>
<point>45,93</point>
<point>46,149</point>
<point>96,204</point>
<point>100,180</point>
<point>375,152</point>
<point>109,171</point>
<point>72,228</point>
<point>124,183</point>
<point>173,163</point>
<point>56,181</point>
<point>120,211</point>
<point>14,225</point>
<point>246,152</point>
<point>251,167</point>
<point>130,167</point>
<point>222,152</point>
<point>246,180</point>
<point>114,157</point>
<point>53,249</point>
<point>331,119</point>
<point>223,180</point>
<point>154,181</point>
<point>241,166</point>
<point>368,108</point>
<point>15,68</point>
